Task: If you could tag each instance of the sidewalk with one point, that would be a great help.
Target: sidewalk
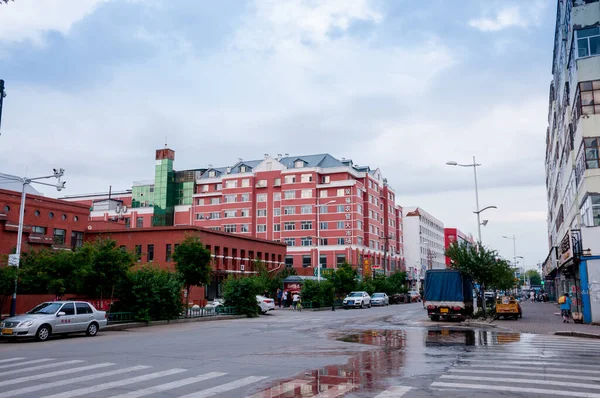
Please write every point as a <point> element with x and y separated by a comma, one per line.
<point>544,318</point>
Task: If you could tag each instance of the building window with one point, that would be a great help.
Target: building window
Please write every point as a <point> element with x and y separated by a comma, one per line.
<point>139,222</point>
<point>340,259</point>
<point>261,212</point>
<point>307,241</point>
<point>168,252</point>
<point>277,196</point>
<point>261,228</point>
<point>588,42</point>
<point>277,211</point>
<point>325,180</point>
<point>138,252</point>
<point>340,192</point>
<point>200,202</point>
<point>306,178</point>
<point>229,198</point>
<point>323,193</point>
<point>323,242</point>
<point>360,240</point>
<point>243,169</point>
<point>306,193</point>
<point>306,209</point>
<point>244,228</point>
<point>261,197</point>
<point>231,184</point>
<point>323,209</point>
<point>128,222</point>
<point>289,210</point>
<point>289,226</point>
<point>245,212</point>
<point>64,217</point>
<point>38,230</point>
<point>59,236</point>
<point>289,261</point>
<point>289,241</point>
<point>340,241</point>
<point>231,228</point>
<point>289,179</point>
<point>204,188</point>
<point>245,197</point>
<point>592,152</point>
<point>36,213</point>
<point>199,216</point>
<point>298,164</point>
<point>323,261</point>
<point>306,225</point>
<point>277,182</point>
<point>277,227</point>
<point>261,184</point>
<point>215,215</point>
<point>150,254</point>
<point>76,239</point>
<point>359,225</point>
<point>50,215</point>
<point>289,194</point>
<point>339,208</point>
<point>245,182</point>
<point>340,225</point>
<point>229,213</point>
<point>323,225</point>
<point>589,97</point>
<point>306,261</point>
<point>212,173</point>
<point>590,211</point>
<point>215,201</point>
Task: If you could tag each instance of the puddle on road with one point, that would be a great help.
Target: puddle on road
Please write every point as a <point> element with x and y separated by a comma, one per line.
<point>400,354</point>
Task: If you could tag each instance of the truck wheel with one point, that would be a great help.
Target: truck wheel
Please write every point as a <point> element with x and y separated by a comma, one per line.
<point>435,318</point>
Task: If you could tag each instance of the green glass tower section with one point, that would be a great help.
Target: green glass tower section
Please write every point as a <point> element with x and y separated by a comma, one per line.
<point>164,188</point>
<point>142,195</point>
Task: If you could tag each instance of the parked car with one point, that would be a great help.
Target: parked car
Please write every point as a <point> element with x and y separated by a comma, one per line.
<point>266,304</point>
<point>215,304</point>
<point>380,299</point>
<point>55,317</point>
<point>357,299</point>
<point>414,296</point>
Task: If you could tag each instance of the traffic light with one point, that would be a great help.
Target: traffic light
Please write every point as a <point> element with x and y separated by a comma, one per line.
<point>543,282</point>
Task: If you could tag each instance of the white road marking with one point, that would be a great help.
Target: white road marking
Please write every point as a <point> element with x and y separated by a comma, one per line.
<point>32,368</point>
<point>12,365</point>
<point>520,390</point>
<point>10,359</point>
<point>112,384</point>
<point>52,374</point>
<point>394,392</point>
<point>588,365</point>
<point>337,391</point>
<point>281,389</point>
<point>210,392</point>
<point>541,375</point>
<point>170,386</point>
<point>526,367</point>
<point>522,381</point>
<point>71,380</point>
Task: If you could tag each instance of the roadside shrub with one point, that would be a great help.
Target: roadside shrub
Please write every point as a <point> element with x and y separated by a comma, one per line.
<point>151,294</point>
<point>320,294</point>
<point>240,293</point>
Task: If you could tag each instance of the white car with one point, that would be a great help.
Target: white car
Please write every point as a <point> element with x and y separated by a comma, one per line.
<point>357,299</point>
<point>266,304</point>
<point>380,299</point>
<point>213,305</point>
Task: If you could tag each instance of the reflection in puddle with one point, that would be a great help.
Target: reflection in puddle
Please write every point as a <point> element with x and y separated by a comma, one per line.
<point>400,353</point>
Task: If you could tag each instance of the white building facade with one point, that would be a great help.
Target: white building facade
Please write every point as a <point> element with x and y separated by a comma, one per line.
<point>423,243</point>
<point>573,157</point>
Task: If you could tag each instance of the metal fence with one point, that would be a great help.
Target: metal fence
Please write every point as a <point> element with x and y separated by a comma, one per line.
<point>123,317</point>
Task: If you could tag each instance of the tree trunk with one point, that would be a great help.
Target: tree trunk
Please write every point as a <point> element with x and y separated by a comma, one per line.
<point>483,303</point>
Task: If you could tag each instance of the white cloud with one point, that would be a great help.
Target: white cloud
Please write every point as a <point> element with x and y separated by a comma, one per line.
<point>30,19</point>
<point>522,15</point>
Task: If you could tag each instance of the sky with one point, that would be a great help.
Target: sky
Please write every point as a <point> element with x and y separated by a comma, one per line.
<point>95,86</point>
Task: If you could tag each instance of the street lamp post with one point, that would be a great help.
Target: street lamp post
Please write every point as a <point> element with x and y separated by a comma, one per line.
<point>514,239</point>
<point>477,211</point>
<point>58,173</point>
<point>319,237</point>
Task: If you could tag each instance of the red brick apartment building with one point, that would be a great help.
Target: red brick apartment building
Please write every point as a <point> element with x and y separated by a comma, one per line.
<point>289,199</point>
<point>454,234</point>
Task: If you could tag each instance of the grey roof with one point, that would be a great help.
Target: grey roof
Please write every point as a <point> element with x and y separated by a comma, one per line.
<point>324,160</point>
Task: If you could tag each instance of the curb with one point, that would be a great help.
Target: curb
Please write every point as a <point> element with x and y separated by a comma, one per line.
<point>578,334</point>
<point>133,325</point>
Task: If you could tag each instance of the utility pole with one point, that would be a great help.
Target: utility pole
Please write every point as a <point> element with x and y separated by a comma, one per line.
<point>385,252</point>
<point>2,95</point>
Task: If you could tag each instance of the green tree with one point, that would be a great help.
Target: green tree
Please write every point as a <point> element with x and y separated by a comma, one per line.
<point>108,265</point>
<point>7,284</point>
<point>534,277</point>
<point>319,294</point>
<point>151,294</point>
<point>192,262</point>
<point>240,293</point>
<point>480,264</point>
<point>397,283</point>
<point>343,279</point>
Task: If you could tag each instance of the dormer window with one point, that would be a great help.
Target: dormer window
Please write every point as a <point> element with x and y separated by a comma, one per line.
<point>243,169</point>
<point>212,173</point>
<point>298,164</point>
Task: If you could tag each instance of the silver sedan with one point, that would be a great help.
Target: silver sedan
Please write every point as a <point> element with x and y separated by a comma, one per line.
<point>55,317</point>
<point>380,299</point>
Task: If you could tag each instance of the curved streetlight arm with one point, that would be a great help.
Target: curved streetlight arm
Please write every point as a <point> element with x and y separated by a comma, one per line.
<point>485,208</point>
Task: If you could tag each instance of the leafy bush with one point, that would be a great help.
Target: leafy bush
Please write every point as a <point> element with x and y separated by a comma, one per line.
<point>151,294</point>
<point>240,293</point>
<point>320,294</point>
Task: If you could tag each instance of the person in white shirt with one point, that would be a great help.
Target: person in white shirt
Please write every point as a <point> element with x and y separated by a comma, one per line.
<point>295,299</point>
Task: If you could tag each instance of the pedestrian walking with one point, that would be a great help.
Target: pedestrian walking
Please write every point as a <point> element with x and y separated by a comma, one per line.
<point>565,307</point>
<point>295,300</point>
<point>285,298</point>
<point>279,295</point>
<point>532,296</point>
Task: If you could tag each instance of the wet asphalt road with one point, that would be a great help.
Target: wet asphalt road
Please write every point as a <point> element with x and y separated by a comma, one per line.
<point>353,353</point>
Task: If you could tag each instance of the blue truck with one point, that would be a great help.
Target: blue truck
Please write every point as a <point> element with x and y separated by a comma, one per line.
<point>448,294</point>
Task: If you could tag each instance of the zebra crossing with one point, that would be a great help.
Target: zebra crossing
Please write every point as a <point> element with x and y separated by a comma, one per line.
<point>536,365</point>
<point>52,378</point>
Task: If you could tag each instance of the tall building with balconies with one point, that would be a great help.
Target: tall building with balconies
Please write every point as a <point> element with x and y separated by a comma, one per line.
<point>327,211</point>
<point>572,155</point>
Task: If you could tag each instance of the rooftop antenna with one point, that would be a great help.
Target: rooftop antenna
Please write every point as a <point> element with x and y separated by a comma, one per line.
<point>166,143</point>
